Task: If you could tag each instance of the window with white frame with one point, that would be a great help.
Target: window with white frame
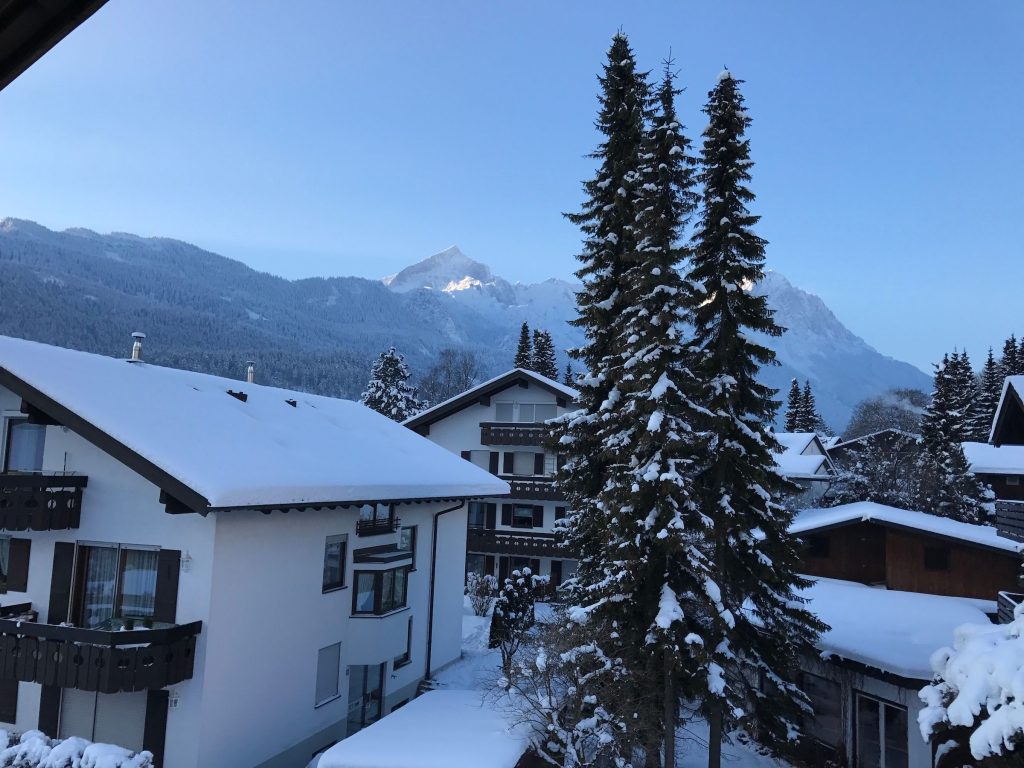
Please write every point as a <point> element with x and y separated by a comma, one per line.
<point>328,674</point>
<point>881,734</point>
<point>23,445</point>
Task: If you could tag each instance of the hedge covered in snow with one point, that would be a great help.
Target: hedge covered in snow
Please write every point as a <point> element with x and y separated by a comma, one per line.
<point>34,749</point>
<point>978,691</point>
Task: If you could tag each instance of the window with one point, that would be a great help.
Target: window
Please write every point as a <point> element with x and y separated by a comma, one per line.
<point>523,463</point>
<point>818,546</point>
<point>881,734</point>
<point>328,674</point>
<point>477,514</point>
<point>543,412</point>
<point>365,694</point>
<point>405,658</point>
<point>481,458</point>
<point>407,542</point>
<point>827,699</point>
<point>522,517</point>
<point>23,446</point>
<point>936,558</point>
<point>334,562</point>
<point>503,412</point>
<point>1013,479</point>
<point>115,582</point>
<point>380,592</point>
<point>476,564</point>
<point>524,413</point>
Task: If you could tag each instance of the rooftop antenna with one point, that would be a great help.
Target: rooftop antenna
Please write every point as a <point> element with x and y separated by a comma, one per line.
<point>137,346</point>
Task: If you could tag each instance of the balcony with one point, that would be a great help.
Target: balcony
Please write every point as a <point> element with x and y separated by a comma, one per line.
<point>504,433</point>
<point>40,502</point>
<point>377,526</point>
<point>532,487</point>
<point>92,659</point>
<point>1010,519</point>
<point>491,542</point>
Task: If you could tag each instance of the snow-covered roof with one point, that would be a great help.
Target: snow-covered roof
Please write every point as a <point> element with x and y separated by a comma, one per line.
<point>987,459</point>
<point>266,447</point>
<point>1014,383</point>
<point>868,511</point>
<point>440,729</point>
<point>841,444</point>
<point>905,628</point>
<point>470,396</point>
<point>794,462</point>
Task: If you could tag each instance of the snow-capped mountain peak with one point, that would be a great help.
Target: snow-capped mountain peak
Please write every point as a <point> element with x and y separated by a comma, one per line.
<point>449,270</point>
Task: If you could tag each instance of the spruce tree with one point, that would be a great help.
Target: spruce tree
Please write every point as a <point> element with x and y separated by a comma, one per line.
<point>990,388</point>
<point>761,622</point>
<point>794,408</point>
<point>946,486</point>
<point>963,393</point>
<point>1020,359</point>
<point>524,351</point>
<point>1010,362</point>
<point>389,391</point>
<point>543,359</point>
<point>569,378</point>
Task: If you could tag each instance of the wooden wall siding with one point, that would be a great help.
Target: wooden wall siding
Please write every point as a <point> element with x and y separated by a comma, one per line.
<point>1010,519</point>
<point>973,571</point>
<point>856,553</point>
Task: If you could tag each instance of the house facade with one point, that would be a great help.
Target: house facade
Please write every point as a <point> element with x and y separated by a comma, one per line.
<point>805,461</point>
<point>499,427</point>
<point>220,572</point>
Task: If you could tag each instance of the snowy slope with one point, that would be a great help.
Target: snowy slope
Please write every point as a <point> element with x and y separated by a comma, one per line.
<point>842,367</point>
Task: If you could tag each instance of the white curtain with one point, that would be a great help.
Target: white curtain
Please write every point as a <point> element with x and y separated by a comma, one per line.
<point>138,585</point>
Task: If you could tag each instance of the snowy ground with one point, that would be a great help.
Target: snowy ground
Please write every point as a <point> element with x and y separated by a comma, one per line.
<point>478,669</point>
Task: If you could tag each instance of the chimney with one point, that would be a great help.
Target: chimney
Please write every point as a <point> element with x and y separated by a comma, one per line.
<point>137,346</point>
<point>250,371</point>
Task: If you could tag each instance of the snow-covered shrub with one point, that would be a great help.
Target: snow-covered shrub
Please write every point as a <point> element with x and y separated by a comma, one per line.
<point>480,589</point>
<point>512,616</point>
<point>977,697</point>
<point>34,749</point>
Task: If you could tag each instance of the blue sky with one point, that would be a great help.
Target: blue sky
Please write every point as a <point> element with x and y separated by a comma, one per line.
<point>353,138</point>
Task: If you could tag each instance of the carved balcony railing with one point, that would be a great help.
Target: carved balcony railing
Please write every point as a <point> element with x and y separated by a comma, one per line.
<point>504,433</point>
<point>40,502</point>
<point>538,488</point>
<point>1006,602</point>
<point>377,526</point>
<point>1010,519</point>
<point>96,660</point>
<point>491,542</point>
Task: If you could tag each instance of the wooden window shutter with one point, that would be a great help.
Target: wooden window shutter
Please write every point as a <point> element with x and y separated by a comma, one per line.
<point>508,462</point>
<point>17,568</point>
<point>559,513</point>
<point>9,701</point>
<point>502,570</point>
<point>467,455</point>
<point>506,514</point>
<point>60,583</point>
<point>535,566</point>
<point>165,606</point>
<point>49,709</point>
<point>491,516</point>
<point>154,729</point>
<point>538,463</point>
<point>538,516</point>
<point>489,565</point>
<point>493,467</point>
<point>556,572</point>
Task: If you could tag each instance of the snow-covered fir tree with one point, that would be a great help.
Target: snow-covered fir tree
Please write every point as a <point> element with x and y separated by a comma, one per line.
<point>947,487</point>
<point>389,391</point>
<point>1020,359</point>
<point>762,624</point>
<point>963,393</point>
<point>794,408</point>
<point>524,350</point>
<point>1012,360</point>
<point>811,419</point>
<point>990,387</point>
<point>543,358</point>
<point>883,469</point>
<point>569,378</point>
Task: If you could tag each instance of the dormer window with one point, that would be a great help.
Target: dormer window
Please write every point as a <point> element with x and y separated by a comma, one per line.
<point>23,446</point>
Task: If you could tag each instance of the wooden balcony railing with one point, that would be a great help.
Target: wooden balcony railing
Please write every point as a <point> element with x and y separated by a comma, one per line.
<point>1010,519</point>
<point>538,488</point>
<point>377,526</point>
<point>95,660</point>
<point>40,502</point>
<point>492,542</point>
<point>504,433</point>
<point>1006,602</point>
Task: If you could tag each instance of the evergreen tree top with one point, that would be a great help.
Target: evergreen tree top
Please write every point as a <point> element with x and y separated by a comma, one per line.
<point>524,351</point>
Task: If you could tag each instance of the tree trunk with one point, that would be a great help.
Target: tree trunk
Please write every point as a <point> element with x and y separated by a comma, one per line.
<point>670,712</point>
<point>715,736</point>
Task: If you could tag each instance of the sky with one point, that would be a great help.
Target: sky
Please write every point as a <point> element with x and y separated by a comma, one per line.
<point>330,137</point>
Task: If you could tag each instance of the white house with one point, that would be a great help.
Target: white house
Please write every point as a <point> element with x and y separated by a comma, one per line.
<point>499,426</point>
<point>805,460</point>
<point>290,565</point>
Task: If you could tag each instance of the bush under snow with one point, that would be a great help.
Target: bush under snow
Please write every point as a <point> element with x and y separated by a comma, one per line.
<point>979,690</point>
<point>34,749</point>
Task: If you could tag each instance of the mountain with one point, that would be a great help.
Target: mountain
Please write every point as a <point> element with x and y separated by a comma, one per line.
<point>202,311</point>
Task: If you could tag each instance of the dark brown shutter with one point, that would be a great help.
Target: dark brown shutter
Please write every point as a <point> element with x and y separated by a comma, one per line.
<point>489,565</point>
<point>491,516</point>
<point>60,583</point>
<point>502,570</point>
<point>493,466</point>
<point>467,455</point>
<point>556,572</point>
<point>9,701</point>
<point>49,709</point>
<point>535,566</point>
<point>165,604</point>
<point>154,729</point>
<point>17,567</point>
<point>508,462</point>
<point>559,513</point>
<point>538,463</point>
<point>506,514</point>
<point>538,516</point>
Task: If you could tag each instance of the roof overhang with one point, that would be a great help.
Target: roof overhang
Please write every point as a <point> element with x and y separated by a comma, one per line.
<point>1008,425</point>
<point>30,28</point>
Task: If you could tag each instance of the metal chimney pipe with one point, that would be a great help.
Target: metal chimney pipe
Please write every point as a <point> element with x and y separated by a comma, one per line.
<point>250,371</point>
<point>137,346</point>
